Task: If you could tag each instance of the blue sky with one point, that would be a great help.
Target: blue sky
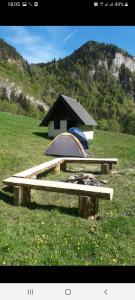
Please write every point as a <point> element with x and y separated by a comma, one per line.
<point>43,43</point>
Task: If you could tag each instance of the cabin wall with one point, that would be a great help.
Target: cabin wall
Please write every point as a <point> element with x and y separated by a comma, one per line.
<point>63,128</point>
<point>88,131</point>
<point>89,134</point>
<point>54,132</point>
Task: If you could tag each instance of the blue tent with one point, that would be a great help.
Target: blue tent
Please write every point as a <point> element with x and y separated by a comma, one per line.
<point>78,133</point>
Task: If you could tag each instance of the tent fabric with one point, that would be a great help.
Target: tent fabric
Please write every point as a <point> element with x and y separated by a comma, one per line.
<point>66,144</point>
<point>78,133</point>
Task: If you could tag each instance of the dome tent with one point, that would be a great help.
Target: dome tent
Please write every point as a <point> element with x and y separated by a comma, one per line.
<point>78,133</point>
<point>66,144</point>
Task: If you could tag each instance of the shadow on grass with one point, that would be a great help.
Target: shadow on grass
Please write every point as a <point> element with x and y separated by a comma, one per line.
<point>33,205</point>
<point>43,135</point>
<point>63,210</point>
<point>8,189</point>
<point>6,198</point>
<point>83,171</point>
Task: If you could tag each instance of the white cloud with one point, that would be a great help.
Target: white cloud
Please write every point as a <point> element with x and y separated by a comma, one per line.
<point>32,47</point>
<point>69,36</point>
<point>21,36</point>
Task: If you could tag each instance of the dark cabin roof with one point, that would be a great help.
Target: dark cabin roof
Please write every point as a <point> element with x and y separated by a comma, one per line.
<point>79,112</point>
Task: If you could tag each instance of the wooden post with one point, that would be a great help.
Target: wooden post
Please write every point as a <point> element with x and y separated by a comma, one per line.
<point>56,169</point>
<point>88,206</point>
<point>63,167</point>
<point>106,168</point>
<point>17,195</point>
<point>26,196</point>
<point>22,196</point>
<point>110,168</point>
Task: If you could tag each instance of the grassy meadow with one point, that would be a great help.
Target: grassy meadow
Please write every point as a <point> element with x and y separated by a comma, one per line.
<point>50,232</point>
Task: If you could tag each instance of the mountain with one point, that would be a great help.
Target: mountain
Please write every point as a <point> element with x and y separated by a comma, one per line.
<point>9,54</point>
<point>100,76</point>
<point>17,85</point>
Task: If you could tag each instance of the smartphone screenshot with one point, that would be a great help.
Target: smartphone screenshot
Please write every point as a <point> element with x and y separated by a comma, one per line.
<point>67,150</point>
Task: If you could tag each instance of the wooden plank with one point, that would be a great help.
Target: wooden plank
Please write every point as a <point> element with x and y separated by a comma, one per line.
<point>40,168</point>
<point>91,160</point>
<point>61,187</point>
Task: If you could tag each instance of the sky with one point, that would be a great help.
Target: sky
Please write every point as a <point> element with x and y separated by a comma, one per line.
<point>44,43</point>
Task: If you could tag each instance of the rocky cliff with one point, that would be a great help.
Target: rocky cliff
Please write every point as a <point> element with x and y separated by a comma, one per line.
<point>120,60</point>
<point>10,92</point>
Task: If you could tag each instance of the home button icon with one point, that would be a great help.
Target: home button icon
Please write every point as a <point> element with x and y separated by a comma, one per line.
<point>67,292</point>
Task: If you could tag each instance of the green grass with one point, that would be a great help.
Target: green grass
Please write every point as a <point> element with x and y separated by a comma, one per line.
<point>50,232</point>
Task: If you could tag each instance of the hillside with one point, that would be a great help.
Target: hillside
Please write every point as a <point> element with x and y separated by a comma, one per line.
<point>101,76</point>
<point>50,232</point>
<point>17,84</point>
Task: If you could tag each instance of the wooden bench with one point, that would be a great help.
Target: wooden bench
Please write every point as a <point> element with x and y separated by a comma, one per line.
<point>106,163</point>
<point>88,195</point>
<point>57,164</point>
<point>53,165</point>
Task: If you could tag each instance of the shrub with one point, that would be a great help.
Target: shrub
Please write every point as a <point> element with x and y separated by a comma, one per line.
<point>129,123</point>
<point>103,124</point>
<point>113,125</point>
